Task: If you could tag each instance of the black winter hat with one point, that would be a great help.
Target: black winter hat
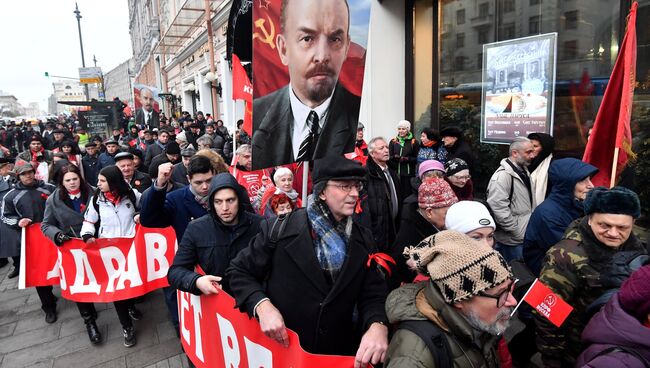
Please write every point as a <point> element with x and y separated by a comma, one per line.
<point>173,148</point>
<point>337,168</point>
<point>451,131</point>
<point>455,165</point>
<point>617,200</point>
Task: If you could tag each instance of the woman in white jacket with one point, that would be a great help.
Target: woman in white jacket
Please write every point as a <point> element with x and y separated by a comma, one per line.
<point>112,213</point>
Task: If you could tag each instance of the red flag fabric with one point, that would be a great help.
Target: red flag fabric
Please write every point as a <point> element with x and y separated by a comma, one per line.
<point>242,89</point>
<point>546,303</point>
<point>216,334</point>
<point>104,271</point>
<point>613,118</point>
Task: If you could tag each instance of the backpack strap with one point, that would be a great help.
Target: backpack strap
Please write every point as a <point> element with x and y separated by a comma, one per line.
<point>625,350</point>
<point>434,338</point>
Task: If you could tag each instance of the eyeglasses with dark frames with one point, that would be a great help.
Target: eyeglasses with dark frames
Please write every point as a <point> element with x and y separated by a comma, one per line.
<point>347,187</point>
<point>502,297</point>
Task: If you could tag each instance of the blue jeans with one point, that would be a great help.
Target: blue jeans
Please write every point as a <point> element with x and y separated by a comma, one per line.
<point>511,252</point>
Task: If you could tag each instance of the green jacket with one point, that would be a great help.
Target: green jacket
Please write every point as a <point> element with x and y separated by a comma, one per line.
<point>579,269</point>
<point>423,301</point>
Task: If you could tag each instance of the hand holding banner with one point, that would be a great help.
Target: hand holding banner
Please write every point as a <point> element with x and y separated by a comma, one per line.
<point>104,271</point>
<point>215,334</point>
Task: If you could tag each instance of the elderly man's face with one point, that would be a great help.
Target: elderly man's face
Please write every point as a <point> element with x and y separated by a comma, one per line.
<point>488,314</point>
<point>341,197</point>
<point>436,216</point>
<point>611,229</point>
<point>525,155</point>
<point>314,45</point>
<point>127,167</point>
<point>245,160</point>
<point>380,152</point>
<point>146,99</point>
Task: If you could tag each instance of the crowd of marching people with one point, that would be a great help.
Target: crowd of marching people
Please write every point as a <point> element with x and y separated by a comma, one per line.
<point>390,256</point>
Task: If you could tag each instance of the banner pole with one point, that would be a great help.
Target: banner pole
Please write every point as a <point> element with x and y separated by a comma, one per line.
<point>612,180</point>
<point>305,179</point>
<point>21,276</point>
<point>524,297</point>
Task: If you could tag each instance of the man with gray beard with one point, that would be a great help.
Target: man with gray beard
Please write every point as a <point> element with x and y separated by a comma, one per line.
<point>455,318</point>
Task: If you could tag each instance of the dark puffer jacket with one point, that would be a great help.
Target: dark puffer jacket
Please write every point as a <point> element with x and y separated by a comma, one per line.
<point>550,219</point>
<point>377,205</point>
<point>209,243</point>
<point>613,327</point>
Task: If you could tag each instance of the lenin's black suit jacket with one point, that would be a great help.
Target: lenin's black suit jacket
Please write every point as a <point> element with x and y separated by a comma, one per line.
<point>155,119</point>
<point>272,119</point>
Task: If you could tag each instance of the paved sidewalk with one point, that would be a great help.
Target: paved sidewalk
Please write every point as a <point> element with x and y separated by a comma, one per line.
<point>26,340</point>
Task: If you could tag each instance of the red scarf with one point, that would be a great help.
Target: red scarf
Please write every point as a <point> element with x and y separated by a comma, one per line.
<point>430,144</point>
<point>74,192</point>
<point>112,198</point>
<point>72,157</point>
<point>36,155</point>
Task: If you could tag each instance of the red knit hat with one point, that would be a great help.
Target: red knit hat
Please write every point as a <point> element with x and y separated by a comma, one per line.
<point>435,193</point>
<point>634,295</point>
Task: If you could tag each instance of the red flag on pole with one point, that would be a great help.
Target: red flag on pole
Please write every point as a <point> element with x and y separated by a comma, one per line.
<point>242,89</point>
<point>613,118</point>
<point>546,303</point>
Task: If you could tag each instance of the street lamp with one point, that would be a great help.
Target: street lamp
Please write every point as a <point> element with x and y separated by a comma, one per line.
<point>81,44</point>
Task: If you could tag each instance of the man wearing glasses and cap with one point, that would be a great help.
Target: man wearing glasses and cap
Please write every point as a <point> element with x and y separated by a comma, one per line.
<point>308,272</point>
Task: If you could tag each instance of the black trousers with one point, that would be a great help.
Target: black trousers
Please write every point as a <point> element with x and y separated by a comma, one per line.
<point>87,311</point>
<point>48,300</point>
<point>122,309</point>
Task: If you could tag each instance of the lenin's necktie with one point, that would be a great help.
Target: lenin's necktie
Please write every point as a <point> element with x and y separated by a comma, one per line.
<point>308,146</point>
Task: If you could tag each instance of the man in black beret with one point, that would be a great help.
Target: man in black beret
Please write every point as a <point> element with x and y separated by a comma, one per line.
<point>307,272</point>
<point>587,267</point>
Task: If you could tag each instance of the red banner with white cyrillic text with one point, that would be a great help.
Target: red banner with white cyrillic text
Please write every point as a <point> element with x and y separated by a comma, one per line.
<point>215,334</point>
<point>103,271</point>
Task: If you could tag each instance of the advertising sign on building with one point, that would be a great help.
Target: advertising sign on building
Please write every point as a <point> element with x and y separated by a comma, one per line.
<point>99,120</point>
<point>518,88</point>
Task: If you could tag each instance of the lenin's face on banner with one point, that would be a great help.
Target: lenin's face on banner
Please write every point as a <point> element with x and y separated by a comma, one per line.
<point>313,45</point>
<point>146,99</point>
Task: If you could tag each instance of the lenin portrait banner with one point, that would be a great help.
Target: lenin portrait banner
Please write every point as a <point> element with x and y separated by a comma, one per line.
<point>147,105</point>
<point>308,65</point>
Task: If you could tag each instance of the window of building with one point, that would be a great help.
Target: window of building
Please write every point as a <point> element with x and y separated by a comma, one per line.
<point>460,40</point>
<point>570,50</point>
<point>571,20</point>
<point>479,61</point>
<point>534,2</point>
<point>483,10</point>
<point>483,35</point>
<point>508,6</point>
<point>533,25</point>
<point>460,16</point>
<point>507,31</point>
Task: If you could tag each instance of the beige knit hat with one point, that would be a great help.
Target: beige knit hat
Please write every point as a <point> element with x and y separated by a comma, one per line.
<point>461,269</point>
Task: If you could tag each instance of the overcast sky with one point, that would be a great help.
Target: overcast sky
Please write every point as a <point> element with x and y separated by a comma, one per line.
<point>39,36</point>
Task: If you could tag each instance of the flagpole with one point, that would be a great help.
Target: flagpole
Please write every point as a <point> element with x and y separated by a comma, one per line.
<point>305,179</point>
<point>612,180</point>
<point>524,297</point>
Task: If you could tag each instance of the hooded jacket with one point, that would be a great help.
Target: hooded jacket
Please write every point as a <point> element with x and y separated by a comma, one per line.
<point>612,326</point>
<point>209,243</point>
<point>423,301</point>
<point>550,219</point>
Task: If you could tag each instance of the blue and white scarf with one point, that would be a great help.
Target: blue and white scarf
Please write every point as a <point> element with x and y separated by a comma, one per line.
<point>331,239</point>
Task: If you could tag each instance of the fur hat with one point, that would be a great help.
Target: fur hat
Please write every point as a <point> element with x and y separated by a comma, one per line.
<point>435,193</point>
<point>634,295</point>
<point>617,200</point>
<point>451,131</point>
<point>460,269</point>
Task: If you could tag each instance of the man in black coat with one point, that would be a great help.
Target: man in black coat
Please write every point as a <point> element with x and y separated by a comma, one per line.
<point>156,148</point>
<point>457,147</point>
<point>310,273</point>
<point>314,115</point>
<point>213,240</point>
<point>172,153</point>
<point>90,162</point>
<point>136,179</point>
<point>381,205</point>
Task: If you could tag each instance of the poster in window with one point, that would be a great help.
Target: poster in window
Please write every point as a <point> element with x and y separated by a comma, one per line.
<point>518,88</point>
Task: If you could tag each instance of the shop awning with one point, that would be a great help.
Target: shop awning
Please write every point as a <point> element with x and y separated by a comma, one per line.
<point>189,18</point>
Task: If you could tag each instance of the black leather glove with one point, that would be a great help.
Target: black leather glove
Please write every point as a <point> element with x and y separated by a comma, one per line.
<point>61,238</point>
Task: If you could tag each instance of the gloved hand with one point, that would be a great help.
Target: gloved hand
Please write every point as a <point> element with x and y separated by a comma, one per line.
<point>403,159</point>
<point>61,238</point>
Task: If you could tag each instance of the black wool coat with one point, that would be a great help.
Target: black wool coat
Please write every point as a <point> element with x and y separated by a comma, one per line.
<point>290,275</point>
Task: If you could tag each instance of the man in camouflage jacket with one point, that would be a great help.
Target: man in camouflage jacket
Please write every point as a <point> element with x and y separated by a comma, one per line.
<point>596,255</point>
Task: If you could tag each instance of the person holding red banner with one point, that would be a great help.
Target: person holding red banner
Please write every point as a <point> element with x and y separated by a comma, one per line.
<point>463,307</point>
<point>111,213</point>
<point>63,219</point>
<point>586,267</point>
<point>23,205</point>
<point>243,171</point>
<point>312,271</point>
<point>213,240</point>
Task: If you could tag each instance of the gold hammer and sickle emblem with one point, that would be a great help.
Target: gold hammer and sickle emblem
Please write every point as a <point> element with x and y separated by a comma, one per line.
<point>268,35</point>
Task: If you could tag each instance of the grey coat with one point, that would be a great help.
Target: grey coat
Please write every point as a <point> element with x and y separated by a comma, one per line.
<point>59,217</point>
<point>511,215</point>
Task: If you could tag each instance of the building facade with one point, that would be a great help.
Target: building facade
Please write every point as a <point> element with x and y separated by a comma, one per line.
<point>117,82</point>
